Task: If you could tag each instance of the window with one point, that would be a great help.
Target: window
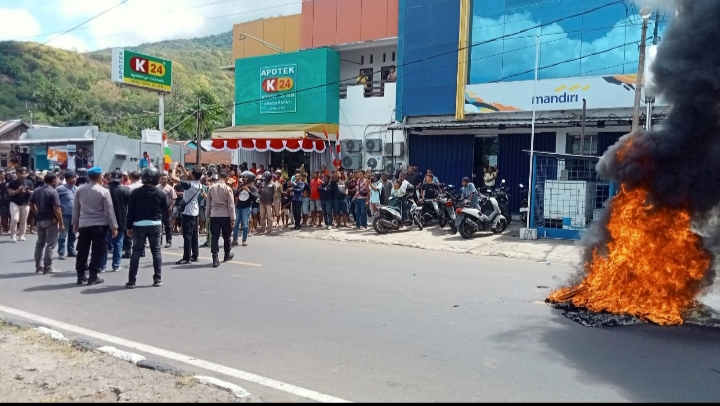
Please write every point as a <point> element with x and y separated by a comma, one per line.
<point>371,59</point>
<point>362,59</point>
<point>3,160</point>
<point>573,144</point>
<point>393,56</point>
<point>384,57</point>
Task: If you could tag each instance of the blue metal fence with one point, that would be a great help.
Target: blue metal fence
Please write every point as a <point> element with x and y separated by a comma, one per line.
<point>567,195</point>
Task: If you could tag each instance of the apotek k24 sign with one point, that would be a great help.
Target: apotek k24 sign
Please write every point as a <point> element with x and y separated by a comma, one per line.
<point>277,93</point>
<point>143,71</point>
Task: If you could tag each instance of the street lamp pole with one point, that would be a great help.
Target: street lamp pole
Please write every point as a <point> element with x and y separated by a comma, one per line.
<point>267,44</point>
<point>645,14</point>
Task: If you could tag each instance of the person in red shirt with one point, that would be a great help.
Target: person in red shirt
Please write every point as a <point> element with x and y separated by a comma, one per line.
<point>315,203</point>
<point>261,170</point>
<point>253,168</point>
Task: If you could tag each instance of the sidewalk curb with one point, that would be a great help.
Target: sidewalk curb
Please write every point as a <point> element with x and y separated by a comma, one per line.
<point>138,360</point>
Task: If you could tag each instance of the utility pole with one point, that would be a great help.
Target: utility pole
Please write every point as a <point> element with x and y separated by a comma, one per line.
<point>645,14</point>
<point>198,149</point>
<point>582,130</point>
<point>161,127</point>
<point>650,101</point>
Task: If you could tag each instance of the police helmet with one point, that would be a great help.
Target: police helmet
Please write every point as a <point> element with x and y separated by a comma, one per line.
<point>267,176</point>
<point>150,176</point>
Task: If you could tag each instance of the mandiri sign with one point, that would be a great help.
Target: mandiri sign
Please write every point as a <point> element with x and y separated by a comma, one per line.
<point>143,71</point>
<point>277,93</point>
<point>612,91</point>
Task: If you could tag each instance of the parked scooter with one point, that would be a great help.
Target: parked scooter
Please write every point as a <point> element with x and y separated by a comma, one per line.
<point>470,220</point>
<point>503,198</point>
<point>451,202</point>
<point>391,218</point>
<point>524,208</point>
<point>428,213</point>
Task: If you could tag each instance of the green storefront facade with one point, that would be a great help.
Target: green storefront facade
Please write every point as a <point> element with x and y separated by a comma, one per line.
<point>289,88</point>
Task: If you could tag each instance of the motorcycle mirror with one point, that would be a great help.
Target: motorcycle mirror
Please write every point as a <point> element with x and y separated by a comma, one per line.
<point>450,186</point>
<point>521,186</point>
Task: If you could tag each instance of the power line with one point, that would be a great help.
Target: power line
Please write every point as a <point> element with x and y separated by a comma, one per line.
<point>438,55</point>
<point>79,25</point>
<point>174,11</point>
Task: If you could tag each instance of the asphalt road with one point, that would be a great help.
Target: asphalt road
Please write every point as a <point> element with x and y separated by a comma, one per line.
<point>375,323</point>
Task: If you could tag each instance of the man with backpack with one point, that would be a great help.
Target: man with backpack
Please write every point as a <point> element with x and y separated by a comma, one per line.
<point>267,198</point>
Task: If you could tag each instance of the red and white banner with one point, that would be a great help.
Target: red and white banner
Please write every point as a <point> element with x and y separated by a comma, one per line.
<point>276,145</point>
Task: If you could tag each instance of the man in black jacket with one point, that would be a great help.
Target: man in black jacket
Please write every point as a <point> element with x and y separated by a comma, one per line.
<point>120,196</point>
<point>144,221</point>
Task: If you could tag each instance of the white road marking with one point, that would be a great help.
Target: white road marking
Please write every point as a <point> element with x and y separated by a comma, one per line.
<point>55,335</point>
<point>210,259</point>
<point>210,381</point>
<point>246,376</point>
<point>122,355</point>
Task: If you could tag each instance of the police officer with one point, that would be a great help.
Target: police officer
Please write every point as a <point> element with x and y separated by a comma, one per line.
<point>144,222</point>
<point>93,214</point>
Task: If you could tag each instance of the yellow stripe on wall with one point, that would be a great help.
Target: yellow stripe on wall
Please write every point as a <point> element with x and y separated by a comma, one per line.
<point>463,59</point>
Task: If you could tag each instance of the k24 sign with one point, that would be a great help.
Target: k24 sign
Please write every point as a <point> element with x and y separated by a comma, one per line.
<point>277,89</point>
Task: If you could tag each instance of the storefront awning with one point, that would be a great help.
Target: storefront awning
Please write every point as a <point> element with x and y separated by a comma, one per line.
<point>276,138</point>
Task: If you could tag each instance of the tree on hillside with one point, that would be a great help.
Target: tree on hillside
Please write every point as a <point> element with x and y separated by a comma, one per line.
<point>210,116</point>
<point>62,106</point>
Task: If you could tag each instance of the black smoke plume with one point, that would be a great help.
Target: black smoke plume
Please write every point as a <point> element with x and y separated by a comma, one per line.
<point>679,163</point>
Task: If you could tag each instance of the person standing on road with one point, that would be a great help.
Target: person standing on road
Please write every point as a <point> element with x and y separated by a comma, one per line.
<point>267,197</point>
<point>327,197</point>
<point>190,211</point>
<point>246,193</point>
<point>315,202</point>
<point>148,205</point>
<point>387,187</point>
<point>127,241</point>
<point>120,196</point>
<point>45,202</point>
<point>20,191</point>
<point>93,214</point>
<point>170,195</point>
<point>66,240</point>
<point>361,196</point>
<point>298,189</point>
<point>220,210</point>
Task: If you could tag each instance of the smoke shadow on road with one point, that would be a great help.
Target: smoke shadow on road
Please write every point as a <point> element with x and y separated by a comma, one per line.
<point>648,363</point>
<point>16,275</point>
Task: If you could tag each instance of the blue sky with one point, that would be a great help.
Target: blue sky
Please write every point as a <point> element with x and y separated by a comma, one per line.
<point>133,23</point>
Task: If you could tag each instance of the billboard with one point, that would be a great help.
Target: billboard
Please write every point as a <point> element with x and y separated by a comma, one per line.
<point>289,88</point>
<point>600,92</point>
<point>142,71</point>
<point>277,89</point>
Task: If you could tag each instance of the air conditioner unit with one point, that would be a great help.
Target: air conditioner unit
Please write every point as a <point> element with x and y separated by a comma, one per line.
<point>390,167</point>
<point>374,163</point>
<point>352,161</point>
<point>396,149</point>
<point>352,146</point>
<point>373,145</point>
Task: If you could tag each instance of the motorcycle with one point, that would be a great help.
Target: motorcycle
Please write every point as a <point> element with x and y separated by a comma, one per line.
<point>503,199</point>
<point>524,208</point>
<point>470,220</point>
<point>391,218</point>
<point>450,202</point>
<point>428,213</point>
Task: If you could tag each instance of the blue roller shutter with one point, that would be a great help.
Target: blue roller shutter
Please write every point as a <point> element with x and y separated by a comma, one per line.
<point>514,162</point>
<point>449,156</point>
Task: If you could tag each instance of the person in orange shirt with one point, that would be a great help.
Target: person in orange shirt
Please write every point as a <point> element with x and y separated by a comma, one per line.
<point>324,171</point>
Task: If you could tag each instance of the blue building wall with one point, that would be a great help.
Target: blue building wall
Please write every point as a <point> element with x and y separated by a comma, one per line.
<point>428,32</point>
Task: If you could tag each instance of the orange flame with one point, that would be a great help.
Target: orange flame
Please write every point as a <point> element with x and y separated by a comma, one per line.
<point>654,264</point>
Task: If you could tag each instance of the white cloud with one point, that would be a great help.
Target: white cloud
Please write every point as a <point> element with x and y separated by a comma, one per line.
<point>17,23</point>
<point>68,41</point>
<point>141,21</point>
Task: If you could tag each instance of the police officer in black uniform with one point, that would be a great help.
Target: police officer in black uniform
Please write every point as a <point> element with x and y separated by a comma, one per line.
<point>144,222</point>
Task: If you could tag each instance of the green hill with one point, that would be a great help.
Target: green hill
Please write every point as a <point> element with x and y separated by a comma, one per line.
<point>69,88</point>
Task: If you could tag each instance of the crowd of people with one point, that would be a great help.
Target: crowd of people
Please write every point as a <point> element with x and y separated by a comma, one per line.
<point>96,217</point>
